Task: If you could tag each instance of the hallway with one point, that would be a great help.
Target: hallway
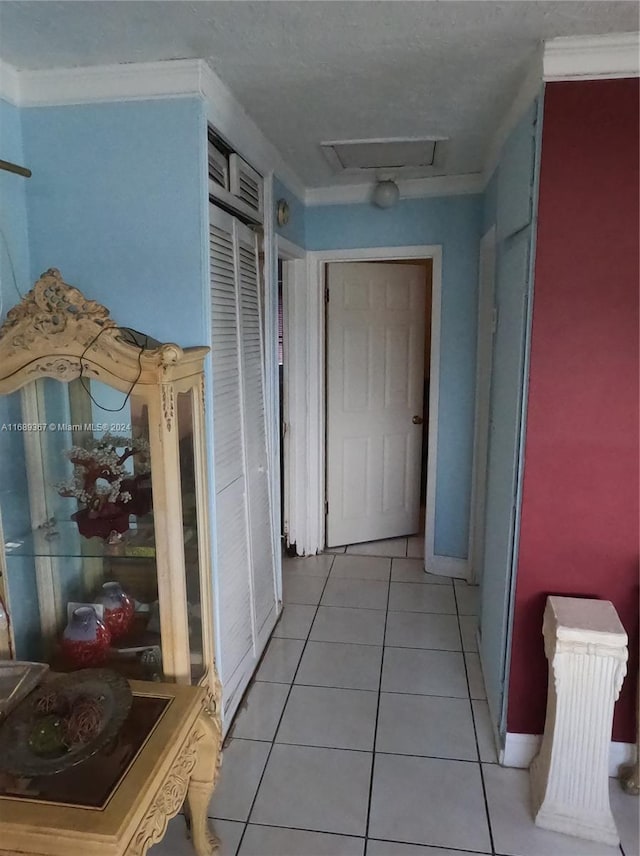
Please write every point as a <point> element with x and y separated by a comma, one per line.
<point>366,727</point>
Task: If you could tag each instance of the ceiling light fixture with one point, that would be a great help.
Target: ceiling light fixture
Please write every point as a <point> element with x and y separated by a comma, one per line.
<point>386,194</point>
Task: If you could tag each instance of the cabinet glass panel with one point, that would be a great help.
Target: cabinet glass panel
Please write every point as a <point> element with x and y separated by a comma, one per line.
<point>190,526</point>
<point>77,512</point>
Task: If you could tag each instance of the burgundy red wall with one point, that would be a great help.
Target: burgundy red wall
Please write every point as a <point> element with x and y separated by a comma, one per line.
<point>580,531</point>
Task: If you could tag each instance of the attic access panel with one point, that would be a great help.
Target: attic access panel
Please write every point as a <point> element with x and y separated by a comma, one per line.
<point>355,155</point>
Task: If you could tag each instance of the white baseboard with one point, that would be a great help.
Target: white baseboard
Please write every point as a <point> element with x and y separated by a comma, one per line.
<point>447,566</point>
<point>521,749</point>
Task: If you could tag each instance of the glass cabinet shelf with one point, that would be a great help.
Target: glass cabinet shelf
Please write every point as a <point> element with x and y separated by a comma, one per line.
<point>62,538</point>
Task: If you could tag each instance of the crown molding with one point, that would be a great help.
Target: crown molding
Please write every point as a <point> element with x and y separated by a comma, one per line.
<point>149,80</point>
<point>530,88</point>
<point>415,188</point>
<point>9,83</point>
<point>592,57</point>
<point>134,81</point>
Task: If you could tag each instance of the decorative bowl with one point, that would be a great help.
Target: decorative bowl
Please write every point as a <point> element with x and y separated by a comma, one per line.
<point>21,738</point>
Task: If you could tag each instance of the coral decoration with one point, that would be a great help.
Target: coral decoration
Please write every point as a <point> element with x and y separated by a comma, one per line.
<point>100,482</point>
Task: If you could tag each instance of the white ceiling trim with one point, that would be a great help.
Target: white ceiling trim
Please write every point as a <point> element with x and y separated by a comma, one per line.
<point>592,57</point>
<point>149,80</point>
<point>442,185</point>
<point>9,84</point>
<point>122,82</point>
<point>531,87</point>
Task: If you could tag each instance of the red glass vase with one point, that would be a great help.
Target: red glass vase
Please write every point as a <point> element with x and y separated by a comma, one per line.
<point>119,609</point>
<point>86,640</point>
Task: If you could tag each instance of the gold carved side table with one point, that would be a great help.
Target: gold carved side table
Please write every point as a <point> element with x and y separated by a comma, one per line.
<point>118,802</point>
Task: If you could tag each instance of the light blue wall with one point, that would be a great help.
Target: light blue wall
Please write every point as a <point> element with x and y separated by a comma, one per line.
<point>455,222</point>
<point>14,260</point>
<point>14,241</point>
<point>510,204</point>
<point>295,229</point>
<point>116,204</point>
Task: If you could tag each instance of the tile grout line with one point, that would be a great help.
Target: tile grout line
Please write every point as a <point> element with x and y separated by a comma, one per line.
<point>361,751</point>
<point>375,728</point>
<point>291,684</point>
<point>432,846</point>
<point>475,732</point>
<point>358,689</point>
<point>275,734</point>
<point>314,831</point>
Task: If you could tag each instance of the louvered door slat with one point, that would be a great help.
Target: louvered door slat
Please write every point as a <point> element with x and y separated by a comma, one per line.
<point>232,565</point>
<point>244,542</point>
<point>245,183</point>
<point>255,434</point>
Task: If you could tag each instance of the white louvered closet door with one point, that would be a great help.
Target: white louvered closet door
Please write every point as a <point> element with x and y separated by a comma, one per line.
<point>257,465</point>
<point>244,561</point>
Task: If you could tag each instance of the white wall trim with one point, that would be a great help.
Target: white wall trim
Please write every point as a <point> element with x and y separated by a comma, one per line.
<point>295,297</point>
<point>446,566</point>
<point>313,501</point>
<point>411,188</point>
<point>521,749</point>
<point>530,87</point>
<point>9,83</point>
<point>592,57</point>
<point>272,380</point>
<point>56,87</point>
<point>377,254</point>
<point>148,80</point>
<point>292,445</point>
<point>287,250</point>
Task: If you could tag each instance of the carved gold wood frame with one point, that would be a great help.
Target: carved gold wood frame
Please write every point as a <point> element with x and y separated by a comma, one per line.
<point>55,331</point>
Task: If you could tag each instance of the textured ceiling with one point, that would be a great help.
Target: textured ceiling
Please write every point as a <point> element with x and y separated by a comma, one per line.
<point>313,71</point>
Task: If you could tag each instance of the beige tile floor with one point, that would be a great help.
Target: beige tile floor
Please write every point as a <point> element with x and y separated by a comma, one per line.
<point>366,730</point>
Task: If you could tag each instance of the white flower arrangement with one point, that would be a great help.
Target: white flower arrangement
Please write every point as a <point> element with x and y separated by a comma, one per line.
<point>99,472</point>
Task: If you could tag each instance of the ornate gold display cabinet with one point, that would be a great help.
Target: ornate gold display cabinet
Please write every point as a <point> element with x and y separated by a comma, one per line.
<point>103,481</point>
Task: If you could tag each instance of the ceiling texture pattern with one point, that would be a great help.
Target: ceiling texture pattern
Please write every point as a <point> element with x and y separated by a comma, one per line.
<point>307,72</point>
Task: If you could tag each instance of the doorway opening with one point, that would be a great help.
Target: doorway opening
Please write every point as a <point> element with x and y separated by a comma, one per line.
<point>378,366</point>
<point>305,373</point>
<point>290,267</point>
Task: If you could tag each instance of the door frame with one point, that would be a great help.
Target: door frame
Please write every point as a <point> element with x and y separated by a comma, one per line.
<point>309,330</point>
<point>291,444</point>
<point>486,289</point>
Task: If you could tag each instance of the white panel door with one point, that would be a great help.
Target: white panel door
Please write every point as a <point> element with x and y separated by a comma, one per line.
<point>375,387</point>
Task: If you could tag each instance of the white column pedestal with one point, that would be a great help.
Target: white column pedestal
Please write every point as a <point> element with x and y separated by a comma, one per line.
<point>586,646</point>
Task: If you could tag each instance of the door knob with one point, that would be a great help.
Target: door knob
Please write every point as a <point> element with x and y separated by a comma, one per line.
<point>417,420</point>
